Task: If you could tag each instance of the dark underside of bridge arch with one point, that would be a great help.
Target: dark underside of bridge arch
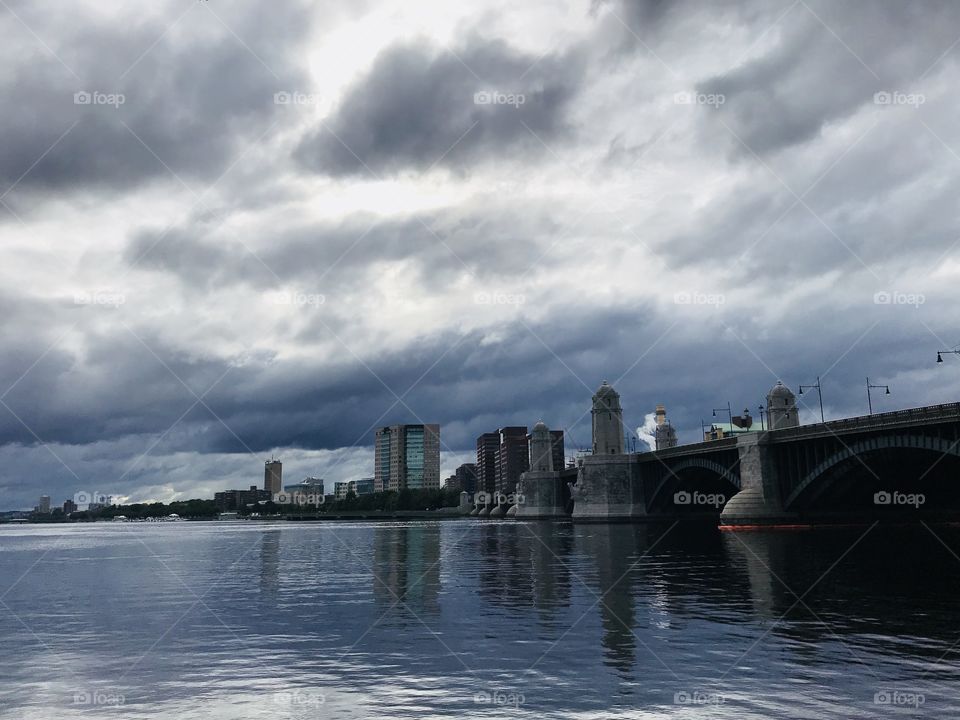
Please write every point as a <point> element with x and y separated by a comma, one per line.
<point>894,482</point>
<point>692,492</point>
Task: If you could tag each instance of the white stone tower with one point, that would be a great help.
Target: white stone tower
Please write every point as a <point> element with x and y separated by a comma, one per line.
<point>541,448</point>
<point>607,421</point>
<point>664,434</point>
<point>781,408</point>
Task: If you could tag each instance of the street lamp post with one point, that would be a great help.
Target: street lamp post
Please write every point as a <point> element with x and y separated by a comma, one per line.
<point>760,408</point>
<point>869,387</point>
<point>728,411</point>
<point>819,394</point>
<point>940,352</point>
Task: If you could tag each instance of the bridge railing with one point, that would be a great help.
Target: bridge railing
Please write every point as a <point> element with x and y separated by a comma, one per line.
<point>895,418</point>
<point>691,449</point>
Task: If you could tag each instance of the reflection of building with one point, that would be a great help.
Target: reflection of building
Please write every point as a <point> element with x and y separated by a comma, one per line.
<point>273,476</point>
<point>664,435</point>
<point>44,505</point>
<point>270,565</point>
<point>406,568</point>
<point>781,408</point>
<point>407,457</point>
<point>607,421</point>
<point>464,479</point>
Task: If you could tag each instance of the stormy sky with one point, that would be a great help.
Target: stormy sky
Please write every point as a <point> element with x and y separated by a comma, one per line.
<point>236,230</point>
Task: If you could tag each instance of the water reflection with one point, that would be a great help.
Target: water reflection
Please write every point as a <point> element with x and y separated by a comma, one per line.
<point>408,619</point>
<point>406,568</point>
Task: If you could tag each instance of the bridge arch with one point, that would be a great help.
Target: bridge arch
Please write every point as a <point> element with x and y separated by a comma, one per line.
<point>866,446</point>
<point>673,469</point>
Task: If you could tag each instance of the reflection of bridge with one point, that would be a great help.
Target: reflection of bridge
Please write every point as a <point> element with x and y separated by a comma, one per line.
<point>907,460</point>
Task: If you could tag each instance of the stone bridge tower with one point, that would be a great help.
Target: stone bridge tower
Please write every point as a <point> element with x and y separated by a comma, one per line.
<point>781,408</point>
<point>607,421</point>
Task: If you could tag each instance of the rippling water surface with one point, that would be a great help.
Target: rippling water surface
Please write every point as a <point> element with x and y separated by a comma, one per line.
<point>471,618</point>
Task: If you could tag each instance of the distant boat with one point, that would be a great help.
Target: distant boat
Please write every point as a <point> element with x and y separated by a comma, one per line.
<point>119,518</point>
<point>227,516</point>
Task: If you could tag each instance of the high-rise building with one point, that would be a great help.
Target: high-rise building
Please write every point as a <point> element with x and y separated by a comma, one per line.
<point>488,447</point>
<point>556,446</point>
<point>69,506</point>
<point>407,457</point>
<point>464,479</point>
<point>513,457</point>
<point>273,476</point>
<point>44,505</point>
<point>230,500</point>
<point>607,421</point>
<point>364,486</point>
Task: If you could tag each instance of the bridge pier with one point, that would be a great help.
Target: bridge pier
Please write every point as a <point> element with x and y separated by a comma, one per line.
<point>759,501</point>
<point>609,489</point>
<point>540,496</point>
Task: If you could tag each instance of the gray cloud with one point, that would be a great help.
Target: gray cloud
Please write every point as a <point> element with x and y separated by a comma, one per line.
<point>416,108</point>
<point>668,202</point>
<point>194,93</point>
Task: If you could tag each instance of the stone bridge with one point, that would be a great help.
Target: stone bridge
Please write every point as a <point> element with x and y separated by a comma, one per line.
<point>905,462</point>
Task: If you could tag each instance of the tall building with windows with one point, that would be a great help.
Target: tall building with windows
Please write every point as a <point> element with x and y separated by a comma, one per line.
<point>488,447</point>
<point>273,476</point>
<point>513,457</point>
<point>407,457</point>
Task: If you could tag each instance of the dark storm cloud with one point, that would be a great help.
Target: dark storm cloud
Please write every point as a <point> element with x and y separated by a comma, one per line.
<point>830,60</point>
<point>419,106</point>
<point>489,244</point>
<point>193,94</point>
